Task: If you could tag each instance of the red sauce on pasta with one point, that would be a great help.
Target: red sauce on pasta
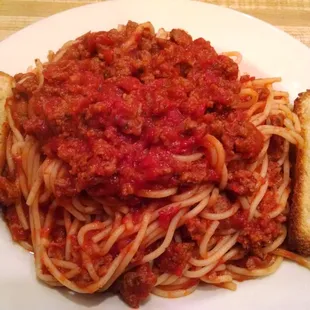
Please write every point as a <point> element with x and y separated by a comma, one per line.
<point>117,118</point>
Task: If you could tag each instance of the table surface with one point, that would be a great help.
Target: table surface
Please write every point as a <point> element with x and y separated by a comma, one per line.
<point>292,16</point>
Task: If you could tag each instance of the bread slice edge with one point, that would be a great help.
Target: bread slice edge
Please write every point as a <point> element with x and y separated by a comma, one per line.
<point>299,218</point>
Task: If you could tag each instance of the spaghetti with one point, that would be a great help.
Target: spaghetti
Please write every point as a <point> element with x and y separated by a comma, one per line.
<point>143,163</point>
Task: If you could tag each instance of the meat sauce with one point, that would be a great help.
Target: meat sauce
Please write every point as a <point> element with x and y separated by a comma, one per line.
<point>174,259</point>
<point>117,115</point>
<point>136,285</point>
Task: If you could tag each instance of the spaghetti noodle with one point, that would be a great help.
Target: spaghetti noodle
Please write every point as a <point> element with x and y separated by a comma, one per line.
<point>142,163</point>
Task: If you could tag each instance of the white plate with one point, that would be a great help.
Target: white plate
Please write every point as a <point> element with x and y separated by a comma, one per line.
<point>267,52</point>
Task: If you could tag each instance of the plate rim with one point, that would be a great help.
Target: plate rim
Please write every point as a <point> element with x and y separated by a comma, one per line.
<point>275,32</point>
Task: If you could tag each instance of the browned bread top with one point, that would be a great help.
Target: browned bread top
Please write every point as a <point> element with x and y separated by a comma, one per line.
<point>299,220</point>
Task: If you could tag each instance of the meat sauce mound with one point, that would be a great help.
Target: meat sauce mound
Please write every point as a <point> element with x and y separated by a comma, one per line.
<point>117,106</point>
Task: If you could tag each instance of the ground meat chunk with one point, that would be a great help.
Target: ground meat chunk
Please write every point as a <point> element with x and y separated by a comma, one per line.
<point>136,285</point>
<point>259,233</point>
<point>242,182</point>
<point>277,120</point>
<point>8,192</point>
<point>276,146</point>
<point>263,93</point>
<point>246,78</point>
<point>227,67</point>
<point>241,137</point>
<point>196,227</point>
<point>268,203</point>
<point>216,128</point>
<point>221,204</point>
<point>196,172</point>
<point>19,111</point>
<point>274,174</point>
<point>174,259</point>
<point>180,37</point>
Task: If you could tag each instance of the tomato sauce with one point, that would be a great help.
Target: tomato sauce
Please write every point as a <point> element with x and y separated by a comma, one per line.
<point>116,114</point>
<point>166,215</point>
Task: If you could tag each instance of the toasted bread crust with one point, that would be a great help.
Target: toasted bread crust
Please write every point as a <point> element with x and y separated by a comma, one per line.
<point>6,84</point>
<point>299,219</point>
